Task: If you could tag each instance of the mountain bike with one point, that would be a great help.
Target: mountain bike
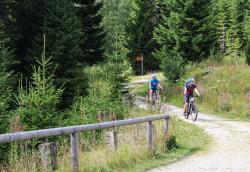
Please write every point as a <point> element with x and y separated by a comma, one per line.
<point>155,101</point>
<point>192,109</point>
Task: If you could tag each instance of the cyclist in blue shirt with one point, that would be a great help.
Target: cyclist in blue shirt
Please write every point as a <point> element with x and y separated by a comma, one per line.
<point>154,84</point>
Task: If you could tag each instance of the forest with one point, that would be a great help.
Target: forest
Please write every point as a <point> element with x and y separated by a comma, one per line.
<point>63,62</point>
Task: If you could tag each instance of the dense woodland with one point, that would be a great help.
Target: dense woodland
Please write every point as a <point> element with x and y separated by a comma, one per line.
<point>63,62</point>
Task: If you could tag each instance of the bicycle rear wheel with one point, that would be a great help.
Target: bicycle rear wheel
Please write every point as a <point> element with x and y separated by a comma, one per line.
<point>194,112</point>
<point>188,111</point>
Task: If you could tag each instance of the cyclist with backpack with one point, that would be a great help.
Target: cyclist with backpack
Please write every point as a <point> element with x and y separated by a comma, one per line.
<point>189,89</point>
<point>154,84</point>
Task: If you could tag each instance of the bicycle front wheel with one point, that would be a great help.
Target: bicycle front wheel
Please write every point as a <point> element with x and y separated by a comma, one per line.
<point>194,112</point>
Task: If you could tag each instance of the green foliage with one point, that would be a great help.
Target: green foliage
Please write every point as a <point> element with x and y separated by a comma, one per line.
<point>38,102</point>
<point>226,23</point>
<point>103,102</point>
<point>248,53</point>
<point>23,20</point>
<point>247,33</point>
<point>171,144</point>
<point>94,35</point>
<point>6,92</point>
<point>183,29</point>
<point>115,18</point>
<point>224,89</point>
<point>143,19</point>
<point>172,64</point>
<point>63,36</point>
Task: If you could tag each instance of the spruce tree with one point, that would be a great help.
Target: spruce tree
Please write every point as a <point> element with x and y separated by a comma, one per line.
<point>6,92</point>
<point>143,19</point>
<point>183,29</point>
<point>115,18</point>
<point>247,35</point>
<point>63,36</point>
<point>26,19</point>
<point>90,16</point>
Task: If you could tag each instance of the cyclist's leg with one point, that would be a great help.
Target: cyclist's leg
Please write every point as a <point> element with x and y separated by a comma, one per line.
<point>150,94</point>
<point>186,100</point>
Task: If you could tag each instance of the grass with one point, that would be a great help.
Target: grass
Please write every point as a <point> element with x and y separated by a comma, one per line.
<point>132,154</point>
<point>224,87</point>
<point>147,76</point>
<point>225,90</point>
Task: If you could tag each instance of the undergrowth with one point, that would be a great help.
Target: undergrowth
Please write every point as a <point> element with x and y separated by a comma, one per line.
<point>132,154</point>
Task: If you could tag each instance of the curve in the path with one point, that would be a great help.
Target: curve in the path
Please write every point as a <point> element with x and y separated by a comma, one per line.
<point>230,151</point>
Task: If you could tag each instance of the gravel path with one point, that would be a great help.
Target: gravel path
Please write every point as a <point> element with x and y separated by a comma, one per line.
<point>230,150</point>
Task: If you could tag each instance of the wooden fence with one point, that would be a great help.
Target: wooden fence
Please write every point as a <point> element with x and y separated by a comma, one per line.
<point>73,132</point>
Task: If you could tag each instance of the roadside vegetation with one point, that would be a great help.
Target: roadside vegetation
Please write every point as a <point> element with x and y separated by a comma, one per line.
<point>132,154</point>
<point>224,89</point>
<point>223,86</point>
<point>65,63</point>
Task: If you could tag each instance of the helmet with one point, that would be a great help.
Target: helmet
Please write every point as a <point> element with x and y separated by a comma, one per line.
<point>154,76</point>
<point>190,80</point>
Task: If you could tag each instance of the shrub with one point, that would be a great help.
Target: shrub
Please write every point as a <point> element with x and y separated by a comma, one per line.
<point>171,144</point>
<point>103,101</point>
<point>37,104</point>
<point>172,66</point>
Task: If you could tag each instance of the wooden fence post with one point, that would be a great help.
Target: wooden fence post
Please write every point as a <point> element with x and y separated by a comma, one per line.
<point>48,153</point>
<point>150,135</point>
<point>166,127</point>
<point>74,152</point>
<point>112,139</point>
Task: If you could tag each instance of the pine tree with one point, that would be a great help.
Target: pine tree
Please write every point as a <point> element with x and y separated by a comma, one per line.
<point>183,29</point>
<point>5,89</point>
<point>143,19</point>
<point>63,36</point>
<point>247,35</point>
<point>93,42</point>
<point>226,24</point>
<point>115,18</point>
<point>26,18</point>
<point>38,103</point>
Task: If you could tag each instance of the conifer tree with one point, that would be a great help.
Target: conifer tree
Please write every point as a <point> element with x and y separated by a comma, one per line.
<point>247,35</point>
<point>63,36</point>
<point>143,19</point>
<point>115,18</point>
<point>92,44</point>
<point>24,24</point>
<point>183,29</point>
<point>5,88</point>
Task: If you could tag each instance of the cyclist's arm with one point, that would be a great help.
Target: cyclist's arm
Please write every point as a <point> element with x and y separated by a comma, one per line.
<point>197,92</point>
<point>185,91</point>
<point>159,86</point>
<point>149,85</point>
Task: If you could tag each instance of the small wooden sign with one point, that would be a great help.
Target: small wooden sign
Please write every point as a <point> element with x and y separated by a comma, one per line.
<point>139,57</point>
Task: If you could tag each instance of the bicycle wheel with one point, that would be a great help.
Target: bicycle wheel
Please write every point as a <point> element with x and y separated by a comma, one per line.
<point>188,111</point>
<point>194,112</point>
<point>158,101</point>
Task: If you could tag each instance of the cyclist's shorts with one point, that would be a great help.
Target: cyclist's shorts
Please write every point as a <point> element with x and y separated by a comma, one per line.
<point>154,89</point>
<point>186,97</point>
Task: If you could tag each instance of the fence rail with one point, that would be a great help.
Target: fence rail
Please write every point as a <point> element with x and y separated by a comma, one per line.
<point>73,132</point>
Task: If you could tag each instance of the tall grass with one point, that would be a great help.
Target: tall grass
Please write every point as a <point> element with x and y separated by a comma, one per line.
<point>132,153</point>
<point>225,89</point>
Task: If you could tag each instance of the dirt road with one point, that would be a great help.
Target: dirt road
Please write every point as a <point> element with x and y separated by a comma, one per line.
<point>230,150</point>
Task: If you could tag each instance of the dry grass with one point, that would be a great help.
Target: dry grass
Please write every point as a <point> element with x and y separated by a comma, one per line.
<point>132,153</point>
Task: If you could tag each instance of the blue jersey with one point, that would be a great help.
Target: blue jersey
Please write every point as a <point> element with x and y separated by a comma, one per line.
<point>154,84</point>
